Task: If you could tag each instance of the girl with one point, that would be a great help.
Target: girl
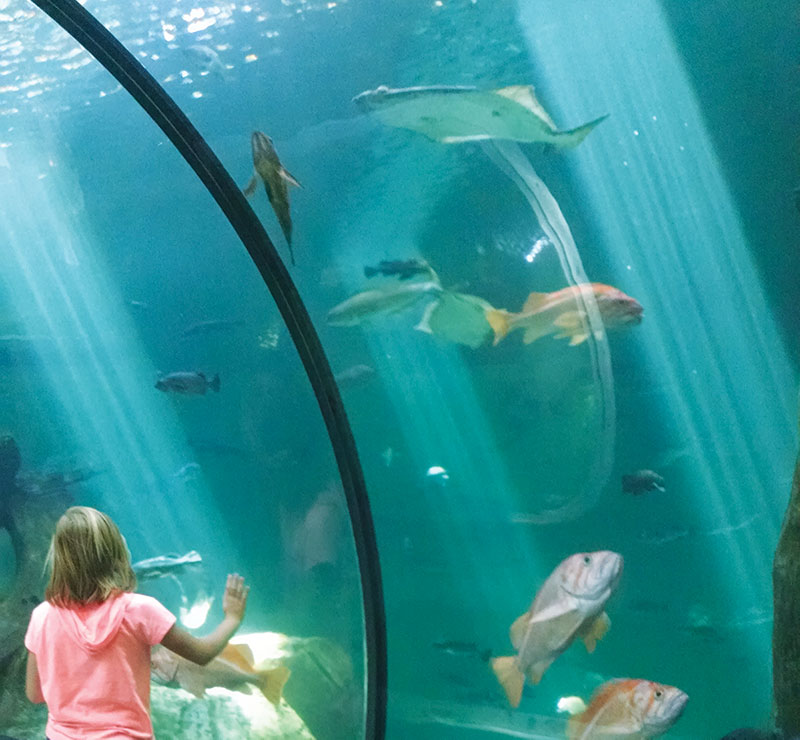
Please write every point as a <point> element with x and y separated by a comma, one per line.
<point>89,642</point>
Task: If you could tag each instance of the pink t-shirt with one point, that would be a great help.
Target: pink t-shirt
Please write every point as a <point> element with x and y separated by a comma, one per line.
<point>94,666</point>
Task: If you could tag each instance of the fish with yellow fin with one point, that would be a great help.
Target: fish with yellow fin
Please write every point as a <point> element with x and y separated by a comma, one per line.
<point>276,179</point>
<point>629,708</point>
<point>569,604</point>
<point>232,669</point>
<point>564,313</point>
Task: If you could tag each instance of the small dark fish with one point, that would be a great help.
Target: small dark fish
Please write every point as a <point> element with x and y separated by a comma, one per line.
<point>467,649</point>
<point>211,327</point>
<point>354,375</point>
<point>747,733</point>
<point>276,179</point>
<point>403,269</point>
<point>642,481</point>
<point>188,383</point>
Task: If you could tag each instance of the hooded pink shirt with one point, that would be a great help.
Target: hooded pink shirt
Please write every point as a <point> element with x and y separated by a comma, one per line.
<point>94,666</point>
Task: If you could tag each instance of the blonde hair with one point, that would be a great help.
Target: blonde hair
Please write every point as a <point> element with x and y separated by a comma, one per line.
<point>88,559</point>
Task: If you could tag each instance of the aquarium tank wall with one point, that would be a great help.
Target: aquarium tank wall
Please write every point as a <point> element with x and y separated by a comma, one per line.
<point>465,330</point>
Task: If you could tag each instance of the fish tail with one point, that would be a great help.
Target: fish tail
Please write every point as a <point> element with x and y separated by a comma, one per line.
<point>500,322</point>
<point>272,682</point>
<point>510,677</point>
<point>575,136</point>
<point>214,384</point>
<point>370,272</point>
<point>250,188</point>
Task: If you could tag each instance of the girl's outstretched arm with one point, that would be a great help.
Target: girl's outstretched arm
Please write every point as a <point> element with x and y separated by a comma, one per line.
<point>33,687</point>
<point>203,650</point>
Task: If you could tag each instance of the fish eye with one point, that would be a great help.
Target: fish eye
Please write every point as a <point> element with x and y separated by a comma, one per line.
<point>587,559</point>
<point>659,694</point>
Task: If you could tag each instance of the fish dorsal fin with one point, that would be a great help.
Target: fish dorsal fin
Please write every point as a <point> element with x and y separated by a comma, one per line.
<point>534,302</point>
<point>519,628</point>
<point>525,96</point>
<point>571,320</point>
<point>250,188</point>
<point>595,631</point>
<point>286,175</point>
<point>240,655</point>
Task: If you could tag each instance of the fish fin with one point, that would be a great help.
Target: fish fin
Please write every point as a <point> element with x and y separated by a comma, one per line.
<point>536,331</point>
<point>193,683</point>
<point>525,95</point>
<point>286,175</point>
<point>499,320</point>
<point>534,302</point>
<point>510,677</point>
<point>577,339</point>
<point>595,631</point>
<point>272,683</point>
<point>424,322</point>
<point>463,139</point>
<point>537,670</point>
<point>370,271</point>
<point>570,320</point>
<point>240,655</point>
<point>573,137</point>
<point>519,628</point>
<point>250,188</point>
<point>214,384</point>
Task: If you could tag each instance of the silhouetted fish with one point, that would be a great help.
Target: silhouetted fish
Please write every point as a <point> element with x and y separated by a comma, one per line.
<point>165,565</point>
<point>642,481</point>
<point>403,269</point>
<point>276,179</point>
<point>187,383</point>
<point>467,649</point>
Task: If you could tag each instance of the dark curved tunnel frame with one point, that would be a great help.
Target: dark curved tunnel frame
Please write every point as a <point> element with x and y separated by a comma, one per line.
<point>107,50</point>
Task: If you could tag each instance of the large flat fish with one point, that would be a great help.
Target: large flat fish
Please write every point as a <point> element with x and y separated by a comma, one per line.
<point>453,115</point>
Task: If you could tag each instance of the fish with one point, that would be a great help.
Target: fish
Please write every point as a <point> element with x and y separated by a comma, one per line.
<point>354,375</point>
<point>231,669</point>
<point>402,269</point>
<point>563,313</point>
<point>208,59</point>
<point>628,708</point>
<point>188,472</point>
<point>165,565</point>
<point>569,604</point>
<point>458,114</point>
<point>276,179</point>
<point>187,383</point>
<point>213,326</point>
<point>467,649</point>
<point>642,481</point>
<point>457,317</point>
<point>371,303</point>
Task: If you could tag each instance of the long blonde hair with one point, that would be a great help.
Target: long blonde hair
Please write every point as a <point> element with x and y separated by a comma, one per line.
<point>88,559</point>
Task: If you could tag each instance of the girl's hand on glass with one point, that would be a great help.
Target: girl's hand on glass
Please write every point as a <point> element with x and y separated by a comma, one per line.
<point>235,599</point>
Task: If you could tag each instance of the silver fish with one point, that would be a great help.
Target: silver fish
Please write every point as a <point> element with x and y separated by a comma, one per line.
<point>370,303</point>
<point>453,115</point>
<point>187,383</point>
<point>276,179</point>
<point>165,565</point>
<point>569,604</point>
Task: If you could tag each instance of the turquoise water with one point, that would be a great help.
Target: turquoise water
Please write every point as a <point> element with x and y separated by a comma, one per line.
<point>682,199</point>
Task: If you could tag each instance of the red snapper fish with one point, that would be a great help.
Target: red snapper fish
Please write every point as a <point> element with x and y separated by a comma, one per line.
<point>231,669</point>
<point>569,604</point>
<point>629,708</point>
<point>563,313</point>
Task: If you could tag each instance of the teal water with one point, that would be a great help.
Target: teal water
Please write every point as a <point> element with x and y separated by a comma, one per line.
<point>682,199</point>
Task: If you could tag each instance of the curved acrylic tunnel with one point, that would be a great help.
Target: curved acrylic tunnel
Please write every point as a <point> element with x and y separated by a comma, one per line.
<point>486,465</point>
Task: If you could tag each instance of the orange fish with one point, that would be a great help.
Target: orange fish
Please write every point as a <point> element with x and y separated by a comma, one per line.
<point>569,604</point>
<point>629,708</point>
<point>564,313</point>
<point>232,669</point>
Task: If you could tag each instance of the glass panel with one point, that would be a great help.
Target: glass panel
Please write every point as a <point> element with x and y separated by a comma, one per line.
<point>147,372</point>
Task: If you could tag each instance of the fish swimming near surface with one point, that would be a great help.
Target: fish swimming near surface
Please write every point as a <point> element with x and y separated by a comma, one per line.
<point>165,565</point>
<point>628,708</point>
<point>276,179</point>
<point>231,669</point>
<point>187,383</point>
<point>569,604</point>
<point>380,301</point>
<point>402,269</point>
<point>564,313</point>
<point>456,114</point>
<point>642,481</point>
<point>354,375</point>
